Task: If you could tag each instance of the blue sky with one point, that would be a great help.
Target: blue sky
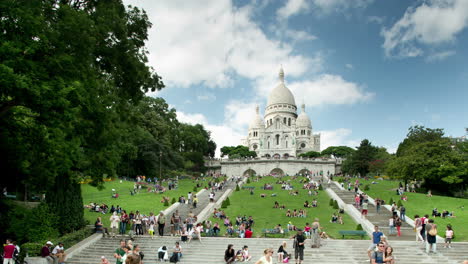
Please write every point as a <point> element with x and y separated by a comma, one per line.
<point>364,68</point>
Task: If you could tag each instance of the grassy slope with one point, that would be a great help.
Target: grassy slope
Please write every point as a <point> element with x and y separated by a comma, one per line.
<point>419,203</point>
<point>265,216</point>
<point>144,201</point>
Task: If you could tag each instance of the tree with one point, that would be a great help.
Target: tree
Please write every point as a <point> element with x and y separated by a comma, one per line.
<point>69,72</point>
<point>310,154</point>
<point>359,161</point>
<point>338,151</point>
<point>428,156</point>
<point>237,152</point>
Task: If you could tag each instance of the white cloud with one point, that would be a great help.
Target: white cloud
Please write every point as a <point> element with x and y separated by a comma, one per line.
<point>208,42</point>
<point>292,7</point>
<point>337,137</point>
<point>231,130</point>
<point>433,23</point>
<point>206,97</point>
<point>299,35</point>
<point>439,56</point>
<point>329,89</point>
<point>349,66</point>
<point>375,19</point>
<point>329,6</point>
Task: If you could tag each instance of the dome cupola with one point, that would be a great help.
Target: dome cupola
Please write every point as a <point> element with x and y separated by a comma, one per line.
<point>303,120</point>
<point>281,98</point>
<point>257,121</point>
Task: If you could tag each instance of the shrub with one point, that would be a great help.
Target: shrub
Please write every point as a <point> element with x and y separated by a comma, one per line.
<point>166,203</point>
<point>248,180</point>
<point>366,187</point>
<point>32,248</point>
<point>320,187</point>
<point>71,239</point>
<point>331,203</point>
<point>237,188</point>
<point>335,205</point>
<point>195,189</point>
<point>399,203</point>
<point>173,201</point>
<point>228,202</point>
<point>391,201</point>
<point>223,204</point>
<point>359,227</point>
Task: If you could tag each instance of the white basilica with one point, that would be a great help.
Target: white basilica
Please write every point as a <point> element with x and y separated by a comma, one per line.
<point>282,133</point>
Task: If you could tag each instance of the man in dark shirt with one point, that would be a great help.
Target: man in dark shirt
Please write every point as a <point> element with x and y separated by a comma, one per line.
<point>299,241</point>
<point>45,253</point>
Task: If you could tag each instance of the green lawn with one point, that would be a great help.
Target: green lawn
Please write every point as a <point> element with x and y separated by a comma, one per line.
<point>144,201</point>
<point>419,203</point>
<point>265,216</point>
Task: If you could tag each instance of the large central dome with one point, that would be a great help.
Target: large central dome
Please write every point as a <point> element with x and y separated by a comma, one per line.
<point>281,94</point>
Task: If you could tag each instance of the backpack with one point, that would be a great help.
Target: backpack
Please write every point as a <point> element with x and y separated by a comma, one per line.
<point>174,258</point>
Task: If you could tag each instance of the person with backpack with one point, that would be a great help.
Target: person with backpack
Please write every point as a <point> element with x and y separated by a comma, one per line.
<point>299,241</point>
<point>378,255</point>
<point>176,253</point>
<point>398,224</point>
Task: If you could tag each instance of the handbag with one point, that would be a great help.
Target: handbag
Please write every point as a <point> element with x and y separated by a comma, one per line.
<point>433,231</point>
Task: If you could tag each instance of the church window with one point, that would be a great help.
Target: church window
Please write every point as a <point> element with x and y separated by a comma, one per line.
<point>308,132</point>
<point>303,145</point>
<point>277,139</point>
<point>297,133</point>
<point>255,146</point>
<point>268,144</point>
<point>289,121</point>
<point>286,143</point>
<point>284,120</point>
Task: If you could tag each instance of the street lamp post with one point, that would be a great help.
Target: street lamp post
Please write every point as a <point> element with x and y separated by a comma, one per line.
<point>160,168</point>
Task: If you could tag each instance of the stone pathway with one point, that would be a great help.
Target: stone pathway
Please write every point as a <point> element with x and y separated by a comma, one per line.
<point>211,250</point>
<point>380,219</point>
<point>203,201</point>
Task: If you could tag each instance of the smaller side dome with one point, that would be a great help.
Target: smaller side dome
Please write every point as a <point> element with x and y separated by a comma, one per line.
<point>257,121</point>
<point>303,120</point>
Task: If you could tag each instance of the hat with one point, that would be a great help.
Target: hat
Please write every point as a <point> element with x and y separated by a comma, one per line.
<point>49,243</point>
<point>299,230</point>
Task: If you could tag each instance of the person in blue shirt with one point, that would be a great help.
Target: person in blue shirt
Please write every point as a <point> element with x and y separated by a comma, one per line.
<point>376,236</point>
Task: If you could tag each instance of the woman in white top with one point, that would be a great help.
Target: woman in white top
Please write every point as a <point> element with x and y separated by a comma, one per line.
<point>267,258</point>
<point>115,220</point>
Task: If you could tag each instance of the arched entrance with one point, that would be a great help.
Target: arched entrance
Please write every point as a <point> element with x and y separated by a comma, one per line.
<point>249,173</point>
<point>277,172</point>
<point>277,156</point>
<point>304,172</point>
<point>285,155</point>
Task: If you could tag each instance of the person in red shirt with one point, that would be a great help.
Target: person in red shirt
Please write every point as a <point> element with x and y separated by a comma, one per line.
<point>248,233</point>
<point>8,251</point>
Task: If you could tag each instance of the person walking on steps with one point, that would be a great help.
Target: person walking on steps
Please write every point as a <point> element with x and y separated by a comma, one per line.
<point>299,241</point>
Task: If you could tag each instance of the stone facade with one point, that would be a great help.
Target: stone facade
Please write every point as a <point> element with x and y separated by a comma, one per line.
<point>277,167</point>
<point>282,133</point>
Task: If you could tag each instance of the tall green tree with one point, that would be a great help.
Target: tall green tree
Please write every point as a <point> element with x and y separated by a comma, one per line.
<point>359,161</point>
<point>428,156</point>
<point>69,71</point>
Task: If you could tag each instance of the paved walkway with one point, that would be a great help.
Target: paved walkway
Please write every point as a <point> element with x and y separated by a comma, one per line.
<point>203,201</point>
<point>380,219</point>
